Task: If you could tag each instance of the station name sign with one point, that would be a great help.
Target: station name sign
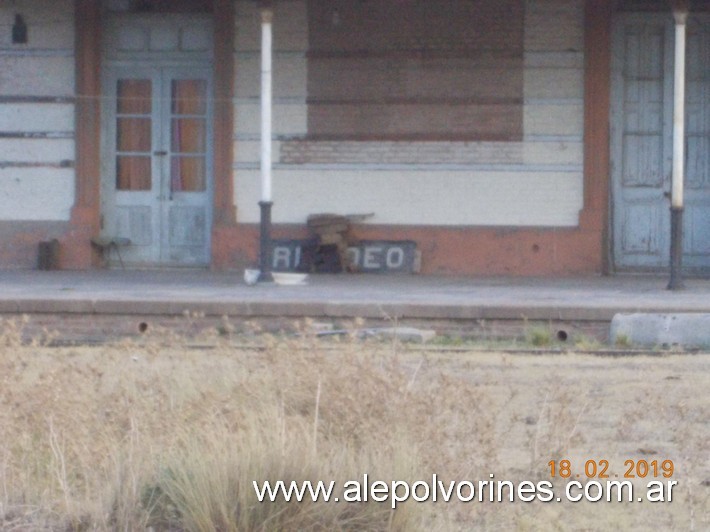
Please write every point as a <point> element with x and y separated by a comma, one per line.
<point>368,256</point>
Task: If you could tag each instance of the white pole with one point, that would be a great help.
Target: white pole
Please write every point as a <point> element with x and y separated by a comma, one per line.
<point>266,102</point>
<point>679,110</point>
<point>680,13</point>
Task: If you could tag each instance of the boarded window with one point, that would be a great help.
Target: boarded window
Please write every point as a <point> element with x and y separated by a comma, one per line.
<point>415,69</point>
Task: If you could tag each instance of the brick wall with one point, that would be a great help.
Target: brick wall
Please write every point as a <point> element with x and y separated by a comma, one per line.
<point>415,71</point>
<point>534,181</point>
<point>400,152</point>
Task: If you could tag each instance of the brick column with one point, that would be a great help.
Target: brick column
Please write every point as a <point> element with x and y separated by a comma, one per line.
<point>76,251</point>
<point>597,99</point>
<point>224,224</point>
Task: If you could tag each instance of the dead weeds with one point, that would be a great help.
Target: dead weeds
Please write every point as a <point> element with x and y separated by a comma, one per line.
<point>155,433</point>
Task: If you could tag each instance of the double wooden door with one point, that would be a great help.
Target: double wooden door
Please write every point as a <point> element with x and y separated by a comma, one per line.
<point>157,186</point>
<point>642,129</point>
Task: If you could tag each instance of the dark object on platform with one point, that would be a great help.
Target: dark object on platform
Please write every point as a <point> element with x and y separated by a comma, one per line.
<point>316,258</point>
<point>331,232</point>
<point>19,31</point>
<point>48,257</point>
<point>327,260</point>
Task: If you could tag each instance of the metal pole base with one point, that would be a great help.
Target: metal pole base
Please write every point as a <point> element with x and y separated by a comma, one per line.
<point>265,243</point>
<point>676,281</point>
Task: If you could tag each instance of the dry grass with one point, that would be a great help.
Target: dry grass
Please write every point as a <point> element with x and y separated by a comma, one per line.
<point>155,434</point>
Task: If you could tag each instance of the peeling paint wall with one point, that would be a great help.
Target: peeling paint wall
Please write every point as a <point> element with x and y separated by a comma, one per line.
<point>537,181</point>
<point>37,111</point>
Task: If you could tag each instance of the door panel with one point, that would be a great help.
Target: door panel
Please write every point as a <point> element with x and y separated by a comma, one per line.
<point>643,223</point>
<point>697,157</point>
<point>186,213</point>
<point>643,160</point>
<point>157,182</point>
<point>187,226</point>
<point>642,121</point>
<point>130,171</point>
<point>641,146</point>
<point>697,232</point>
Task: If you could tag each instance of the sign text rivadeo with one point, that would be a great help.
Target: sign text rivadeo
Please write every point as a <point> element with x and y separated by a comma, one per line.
<point>368,256</point>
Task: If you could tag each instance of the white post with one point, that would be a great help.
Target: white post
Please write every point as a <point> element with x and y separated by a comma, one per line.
<point>679,110</point>
<point>265,246</point>
<point>680,13</point>
<point>266,102</point>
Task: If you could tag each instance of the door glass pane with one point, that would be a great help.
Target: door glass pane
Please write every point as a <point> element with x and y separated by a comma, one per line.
<point>188,135</point>
<point>134,96</point>
<point>188,174</point>
<point>188,97</point>
<point>133,172</point>
<point>133,134</point>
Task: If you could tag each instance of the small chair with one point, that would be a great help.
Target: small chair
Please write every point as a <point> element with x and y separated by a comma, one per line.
<point>107,243</point>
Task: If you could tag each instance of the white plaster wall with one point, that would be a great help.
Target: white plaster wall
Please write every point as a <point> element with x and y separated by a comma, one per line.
<point>290,26</point>
<point>36,194</point>
<point>290,71</point>
<point>550,119</point>
<point>29,151</point>
<point>417,197</point>
<point>32,117</point>
<point>36,75</point>
<point>50,23</point>
<point>290,76</point>
<point>37,147</point>
<point>554,94</point>
<point>536,182</point>
<point>289,119</point>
